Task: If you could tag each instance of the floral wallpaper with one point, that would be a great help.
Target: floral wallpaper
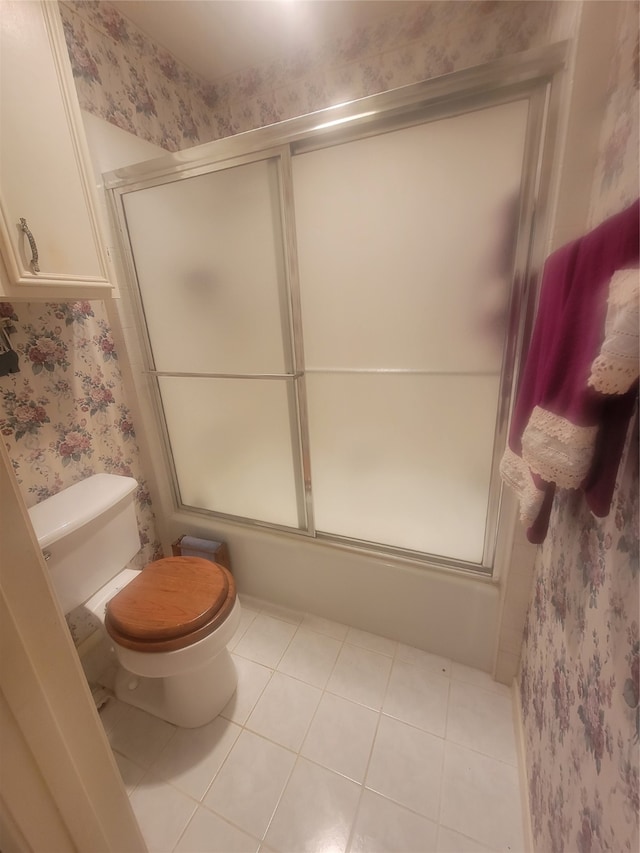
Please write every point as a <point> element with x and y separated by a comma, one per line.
<point>427,40</point>
<point>64,416</point>
<point>580,672</point>
<point>616,181</point>
<point>579,680</point>
<point>125,78</point>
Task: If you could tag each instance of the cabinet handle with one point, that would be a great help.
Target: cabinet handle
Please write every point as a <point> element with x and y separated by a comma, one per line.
<point>32,243</point>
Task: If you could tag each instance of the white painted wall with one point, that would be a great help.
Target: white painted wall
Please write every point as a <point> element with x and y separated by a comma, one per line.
<point>111,148</point>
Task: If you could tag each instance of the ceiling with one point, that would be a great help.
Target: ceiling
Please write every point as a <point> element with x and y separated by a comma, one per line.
<point>219,37</point>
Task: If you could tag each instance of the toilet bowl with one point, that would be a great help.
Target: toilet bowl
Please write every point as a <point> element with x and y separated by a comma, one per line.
<point>170,626</point>
<point>169,623</point>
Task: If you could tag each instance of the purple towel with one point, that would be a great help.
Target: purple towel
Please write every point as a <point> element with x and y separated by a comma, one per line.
<point>567,337</point>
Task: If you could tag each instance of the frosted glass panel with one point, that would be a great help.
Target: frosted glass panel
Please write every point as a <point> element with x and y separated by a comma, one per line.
<point>208,254</point>
<point>405,248</point>
<point>233,445</point>
<point>403,460</point>
<point>404,243</point>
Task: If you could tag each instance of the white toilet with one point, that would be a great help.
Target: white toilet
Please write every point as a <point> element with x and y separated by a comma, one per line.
<point>170,622</point>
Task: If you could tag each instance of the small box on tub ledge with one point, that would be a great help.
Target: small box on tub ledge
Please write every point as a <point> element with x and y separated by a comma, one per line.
<point>207,549</point>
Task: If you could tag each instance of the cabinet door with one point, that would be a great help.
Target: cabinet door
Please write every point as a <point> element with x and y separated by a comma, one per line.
<point>44,173</point>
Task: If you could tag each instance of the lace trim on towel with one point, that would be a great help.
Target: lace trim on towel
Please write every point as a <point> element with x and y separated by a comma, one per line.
<point>516,474</point>
<point>617,366</point>
<point>559,451</point>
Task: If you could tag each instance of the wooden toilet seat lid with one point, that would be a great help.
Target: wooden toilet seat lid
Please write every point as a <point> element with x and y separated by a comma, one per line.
<point>170,598</point>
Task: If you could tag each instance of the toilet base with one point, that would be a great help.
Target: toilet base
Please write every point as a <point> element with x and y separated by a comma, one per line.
<point>188,699</point>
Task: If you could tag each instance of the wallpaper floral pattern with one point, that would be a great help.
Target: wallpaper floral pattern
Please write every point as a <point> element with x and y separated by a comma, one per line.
<point>616,181</point>
<point>580,672</point>
<point>64,416</point>
<point>579,680</point>
<point>122,76</point>
<point>125,78</point>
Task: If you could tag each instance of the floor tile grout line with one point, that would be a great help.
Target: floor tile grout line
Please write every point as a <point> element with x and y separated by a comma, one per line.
<point>323,691</point>
<point>269,666</point>
<point>467,837</point>
<point>413,724</point>
<point>282,672</point>
<point>317,763</point>
<point>314,715</point>
<point>222,763</point>
<point>266,612</point>
<point>448,712</point>
<point>354,822</point>
<point>479,752</point>
<point>236,639</point>
<point>242,727</point>
<point>490,690</point>
<point>277,743</point>
<point>368,648</point>
<point>327,689</point>
<point>444,755</point>
<point>139,766</point>
<point>394,656</point>
<point>275,668</point>
<point>333,668</point>
<point>298,678</point>
<point>258,698</point>
<point>448,661</point>
<point>297,752</point>
<point>158,756</point>
<point>201,802</point>
<point>185,827</point>
<point>345,639</point>
<point>363,788</point>
<point>220,817</point>
<point>300,624</point>
<point>298,755</point>
<point>279,800</point>
<point>325,633</point>
<point>443,737</point>
<point>368,764</point>
<point>350,698</point>
<point>123,718</point>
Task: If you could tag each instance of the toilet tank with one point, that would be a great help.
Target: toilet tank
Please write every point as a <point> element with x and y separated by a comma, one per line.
<point>88,533</point>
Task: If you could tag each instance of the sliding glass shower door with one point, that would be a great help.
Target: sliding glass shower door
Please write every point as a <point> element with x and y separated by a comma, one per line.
<point>405,247</point>
<point>331,322</point>
<point>210,265</point>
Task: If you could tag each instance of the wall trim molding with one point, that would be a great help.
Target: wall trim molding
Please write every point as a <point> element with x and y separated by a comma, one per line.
<point>521,750</point>
<point>44,694</point>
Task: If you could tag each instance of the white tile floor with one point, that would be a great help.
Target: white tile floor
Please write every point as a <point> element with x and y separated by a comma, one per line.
<point>336,740</point>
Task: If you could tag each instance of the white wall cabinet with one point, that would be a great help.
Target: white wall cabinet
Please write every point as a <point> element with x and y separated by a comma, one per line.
<point>45,173</point>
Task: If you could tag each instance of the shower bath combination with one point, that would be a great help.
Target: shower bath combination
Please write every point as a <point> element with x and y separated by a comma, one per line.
<point>330,333</point>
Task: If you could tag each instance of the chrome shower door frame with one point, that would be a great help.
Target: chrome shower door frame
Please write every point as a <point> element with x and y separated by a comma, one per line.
<point>531,76</point>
